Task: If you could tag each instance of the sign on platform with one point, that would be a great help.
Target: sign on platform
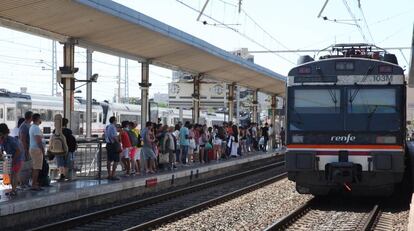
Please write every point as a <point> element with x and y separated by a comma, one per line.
<point>211,94</point>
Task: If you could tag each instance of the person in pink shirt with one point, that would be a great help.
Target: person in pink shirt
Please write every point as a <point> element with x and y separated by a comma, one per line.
<point>126,146</point>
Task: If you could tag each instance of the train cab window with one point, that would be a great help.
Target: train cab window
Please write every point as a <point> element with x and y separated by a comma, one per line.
<point>372,101</point>
<point>11,114</point>
<point>94,117</point>
<point>100,117</point>
<point>1,113</point>
<point>315,101</point>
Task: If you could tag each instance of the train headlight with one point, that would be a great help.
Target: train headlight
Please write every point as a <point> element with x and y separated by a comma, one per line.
<point>297,139</point>
<point>386,140</point>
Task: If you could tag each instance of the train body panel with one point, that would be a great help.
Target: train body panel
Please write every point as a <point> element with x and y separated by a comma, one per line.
<point>346,123</point>
<point>14,105</point>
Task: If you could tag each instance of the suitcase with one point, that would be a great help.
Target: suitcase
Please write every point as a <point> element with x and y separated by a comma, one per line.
<point>211,155</point>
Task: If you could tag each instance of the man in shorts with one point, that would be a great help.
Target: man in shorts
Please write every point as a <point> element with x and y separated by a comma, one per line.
<point>112,144</point>
<point>36,150</point>
<point>147,150</point>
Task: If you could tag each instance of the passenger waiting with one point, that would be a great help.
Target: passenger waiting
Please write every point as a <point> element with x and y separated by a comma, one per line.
<point>12,146</point>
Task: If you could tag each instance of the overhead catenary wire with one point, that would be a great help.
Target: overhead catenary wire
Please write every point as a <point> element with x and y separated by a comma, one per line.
<point>235,30</point>
<point>355,20</point>
<point>366,24</point>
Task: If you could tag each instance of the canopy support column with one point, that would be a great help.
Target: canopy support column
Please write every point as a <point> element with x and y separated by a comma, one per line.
<point>255,104</point>
<point>196,99</point>
<point>68,80</point>
<point>88,93</point>
<point>273,108</point>
<point>230,100</point>
<point>238,105</point>
<point>144,85</point>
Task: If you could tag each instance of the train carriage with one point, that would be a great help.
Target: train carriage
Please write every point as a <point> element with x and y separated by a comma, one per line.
<point>346,122</point>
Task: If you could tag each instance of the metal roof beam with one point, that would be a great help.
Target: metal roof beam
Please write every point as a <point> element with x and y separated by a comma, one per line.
<point>32,30</point>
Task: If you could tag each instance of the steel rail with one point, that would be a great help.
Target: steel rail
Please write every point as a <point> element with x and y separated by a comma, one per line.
<point>165,219</point>
<point>90,217</point>
<point>372,218</point>
<point>285,221</point>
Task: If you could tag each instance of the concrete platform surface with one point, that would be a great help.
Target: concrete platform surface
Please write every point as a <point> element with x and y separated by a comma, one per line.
<point>79,189</point>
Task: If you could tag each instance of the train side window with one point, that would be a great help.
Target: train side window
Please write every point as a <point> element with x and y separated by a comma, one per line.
<point>94,117</point>
<point>11,114</point>
<point>49,115</point>
<point>1,113</point>
<point>43,115</point>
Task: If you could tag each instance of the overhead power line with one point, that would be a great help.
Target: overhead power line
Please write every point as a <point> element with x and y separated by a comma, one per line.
<point>234,29</point>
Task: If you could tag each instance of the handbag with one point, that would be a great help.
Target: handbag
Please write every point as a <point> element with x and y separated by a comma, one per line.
<point>208,146</point>
<point>163,158</point>
<point>192,143</point>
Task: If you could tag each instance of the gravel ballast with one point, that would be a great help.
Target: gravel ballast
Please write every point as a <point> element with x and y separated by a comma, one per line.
<point>253,211</point>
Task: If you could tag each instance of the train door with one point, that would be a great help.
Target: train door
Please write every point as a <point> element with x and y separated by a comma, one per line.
<point>77,122</point>
<point>10,115</point>
<point>2,110</point>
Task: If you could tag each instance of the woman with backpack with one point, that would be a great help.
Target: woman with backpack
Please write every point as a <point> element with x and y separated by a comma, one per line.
<point>65,163</point>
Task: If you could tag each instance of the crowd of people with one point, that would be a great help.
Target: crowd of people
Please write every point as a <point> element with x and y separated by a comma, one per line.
<point>165,147</point>
<point>26,146</point>
<point>158,146</point>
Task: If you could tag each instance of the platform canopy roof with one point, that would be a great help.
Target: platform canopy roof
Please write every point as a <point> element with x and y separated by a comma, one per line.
<point>109,27</point>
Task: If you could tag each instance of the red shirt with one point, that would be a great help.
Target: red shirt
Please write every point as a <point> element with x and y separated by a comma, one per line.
<point>126,143</point>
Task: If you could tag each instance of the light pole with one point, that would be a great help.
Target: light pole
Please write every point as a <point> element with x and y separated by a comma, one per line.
<point>91,79</point>
<point>53,69</point>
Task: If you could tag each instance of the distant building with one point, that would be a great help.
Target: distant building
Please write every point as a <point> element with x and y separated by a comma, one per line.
<point>180,76</point>
<point>244,54</point>
<point>161,97</point>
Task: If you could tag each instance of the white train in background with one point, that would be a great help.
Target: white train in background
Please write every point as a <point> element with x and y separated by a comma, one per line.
<point>14,105</point>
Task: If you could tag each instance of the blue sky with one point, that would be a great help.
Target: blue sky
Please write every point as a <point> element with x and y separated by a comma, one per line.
<point>287,25</point>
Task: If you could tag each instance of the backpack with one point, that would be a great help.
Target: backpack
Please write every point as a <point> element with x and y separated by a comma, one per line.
<point>221,133</point>
<point>70,141</point>
<point>134,140</point>
<point>168,142</point>
<point>57,145</point>
<point>139,141</point>
<point>44,179</point>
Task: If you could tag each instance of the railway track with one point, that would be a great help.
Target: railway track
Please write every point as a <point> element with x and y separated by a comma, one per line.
<point>314,216</point>
<point>151,212</point>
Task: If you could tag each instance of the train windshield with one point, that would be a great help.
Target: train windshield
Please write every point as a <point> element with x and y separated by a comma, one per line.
<point>372,110</point>
<point>309,107</point>
<point>344,108</point>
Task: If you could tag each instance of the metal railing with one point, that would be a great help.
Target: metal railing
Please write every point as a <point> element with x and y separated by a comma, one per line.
<point>88,158</point>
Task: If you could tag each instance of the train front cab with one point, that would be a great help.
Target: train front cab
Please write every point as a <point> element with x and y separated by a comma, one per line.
<point>372,174</point>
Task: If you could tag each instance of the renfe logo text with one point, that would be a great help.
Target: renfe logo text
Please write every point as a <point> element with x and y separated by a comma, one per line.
<point>345,139</point>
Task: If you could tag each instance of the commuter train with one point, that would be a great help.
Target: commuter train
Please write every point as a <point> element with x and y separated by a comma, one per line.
<point>14,105</point>
<point>346,122</point>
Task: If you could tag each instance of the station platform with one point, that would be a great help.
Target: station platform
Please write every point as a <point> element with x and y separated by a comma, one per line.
<point>72,196</point>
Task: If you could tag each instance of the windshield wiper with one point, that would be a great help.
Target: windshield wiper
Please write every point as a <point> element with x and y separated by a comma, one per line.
<point>331,92</point>
<point>370,115</point>
<point>355,93</point>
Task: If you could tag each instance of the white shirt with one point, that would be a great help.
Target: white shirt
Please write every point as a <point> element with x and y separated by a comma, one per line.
<point>14,132</point>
